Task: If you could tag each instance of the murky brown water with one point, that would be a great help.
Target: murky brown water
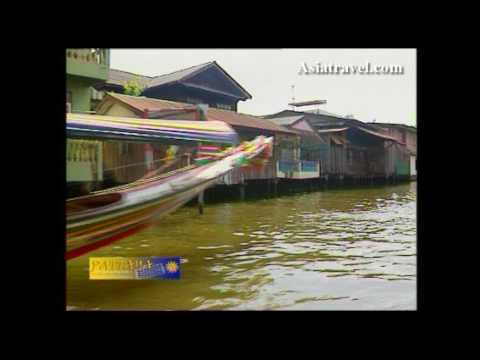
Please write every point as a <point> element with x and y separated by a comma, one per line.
<point>337,249</point>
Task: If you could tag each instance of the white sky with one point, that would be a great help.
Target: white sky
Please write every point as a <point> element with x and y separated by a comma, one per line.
<point>268,75</point>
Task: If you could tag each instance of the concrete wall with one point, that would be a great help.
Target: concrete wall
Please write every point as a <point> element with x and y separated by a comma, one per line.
<point>85,68</point>
<point>84,63</point>
<point>84,160</point>
<point>80,93</point>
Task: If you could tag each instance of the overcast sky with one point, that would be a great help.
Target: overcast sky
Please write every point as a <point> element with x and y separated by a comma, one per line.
<point>268,75</point>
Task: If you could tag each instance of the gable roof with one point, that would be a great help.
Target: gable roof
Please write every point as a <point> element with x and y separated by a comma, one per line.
<point>339,124</point>
<point>185,74</point>
<point>139,104</point>
<point>119,77</point>
<point>177,75</point>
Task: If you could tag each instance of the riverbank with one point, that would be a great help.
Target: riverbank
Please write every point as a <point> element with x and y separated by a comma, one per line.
<point>261,189</point>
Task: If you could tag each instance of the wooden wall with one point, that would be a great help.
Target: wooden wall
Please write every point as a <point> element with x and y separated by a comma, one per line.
<point>125,162</point>
<point>356,162</point>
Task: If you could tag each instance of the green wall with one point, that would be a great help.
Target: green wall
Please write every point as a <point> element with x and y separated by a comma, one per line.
<point>402,168</point>
<point>80,92</point>
<point>81,62</point>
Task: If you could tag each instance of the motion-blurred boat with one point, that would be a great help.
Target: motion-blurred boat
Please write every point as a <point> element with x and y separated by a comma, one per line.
<point>105,216</point>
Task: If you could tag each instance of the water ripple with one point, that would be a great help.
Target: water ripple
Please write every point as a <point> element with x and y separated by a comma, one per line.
<point>338,249</point>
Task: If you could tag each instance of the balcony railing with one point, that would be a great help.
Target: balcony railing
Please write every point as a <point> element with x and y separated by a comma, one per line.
<point>91,63</point>
<point>95,56</point>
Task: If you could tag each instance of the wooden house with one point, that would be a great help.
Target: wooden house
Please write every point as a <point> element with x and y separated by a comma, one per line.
<point>307,162</point>
<point>247,126</point>
<point>351,148</point>
<point>206,83</point>
<point>406,163</point>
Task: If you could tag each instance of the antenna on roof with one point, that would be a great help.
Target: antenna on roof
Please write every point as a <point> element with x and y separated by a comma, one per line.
<point>293,96</point>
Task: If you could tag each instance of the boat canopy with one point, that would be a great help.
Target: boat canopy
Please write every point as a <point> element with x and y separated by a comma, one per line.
<point>134,129</point>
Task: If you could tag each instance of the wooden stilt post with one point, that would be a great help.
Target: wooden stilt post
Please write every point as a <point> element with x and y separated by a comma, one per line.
<point>242,191</point>
<point>201,202</point>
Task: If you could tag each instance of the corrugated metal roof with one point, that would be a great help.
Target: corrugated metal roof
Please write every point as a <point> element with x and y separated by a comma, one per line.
<point>289,120</point>
<point>326,113</point>
<point>186,73</point>
<point>377,134</point>
<point>244,120</point>
<point>140,103</point>
<point>394,125</point>
<point>177,75</point>
<point>119,77</point>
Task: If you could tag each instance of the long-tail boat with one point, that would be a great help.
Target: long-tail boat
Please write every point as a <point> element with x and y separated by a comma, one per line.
<point>105,216</point>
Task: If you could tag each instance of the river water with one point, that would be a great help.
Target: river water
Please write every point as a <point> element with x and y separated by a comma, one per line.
<point>338,249</point>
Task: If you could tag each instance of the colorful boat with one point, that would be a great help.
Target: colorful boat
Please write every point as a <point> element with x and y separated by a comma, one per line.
<point>105,216</point>
<point>133,129</point>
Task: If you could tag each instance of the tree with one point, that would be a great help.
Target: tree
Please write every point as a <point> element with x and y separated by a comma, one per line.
<point>132,88</point>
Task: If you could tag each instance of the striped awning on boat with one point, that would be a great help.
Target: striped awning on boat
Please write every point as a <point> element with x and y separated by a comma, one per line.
<point>123,128</point>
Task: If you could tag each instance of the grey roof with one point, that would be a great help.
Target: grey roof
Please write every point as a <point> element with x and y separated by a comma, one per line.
<point>177,75</point>
<point>394,125</point>
<point>326,113</point>
<point>285,121</point>
<point>119,77</point>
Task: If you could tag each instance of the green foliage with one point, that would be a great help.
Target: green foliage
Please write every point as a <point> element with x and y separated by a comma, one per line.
<point>132,88</point>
